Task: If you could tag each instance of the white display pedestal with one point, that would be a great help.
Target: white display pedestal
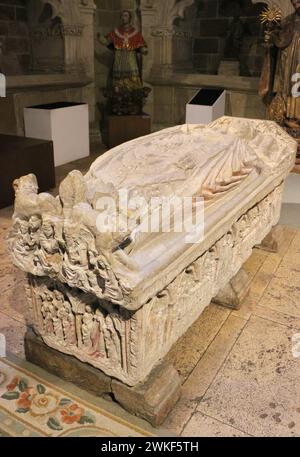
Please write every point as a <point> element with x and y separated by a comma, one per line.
<point>206,106</point>
<point>66,124</point>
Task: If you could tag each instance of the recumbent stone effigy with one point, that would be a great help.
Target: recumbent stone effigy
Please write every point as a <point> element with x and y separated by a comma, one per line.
<point>119,300</point>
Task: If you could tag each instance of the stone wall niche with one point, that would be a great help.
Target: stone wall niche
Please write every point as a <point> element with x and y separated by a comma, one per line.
<point>47,40</point>
<point>56,30</point>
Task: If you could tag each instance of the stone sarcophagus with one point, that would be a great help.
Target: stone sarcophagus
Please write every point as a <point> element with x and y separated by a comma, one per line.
<point>118,297</point>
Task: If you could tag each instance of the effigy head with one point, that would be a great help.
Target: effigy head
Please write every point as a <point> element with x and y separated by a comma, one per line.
<point>47,228</point>
<point>23,226</point>
<point>35,223</point>
<point>26,184</point>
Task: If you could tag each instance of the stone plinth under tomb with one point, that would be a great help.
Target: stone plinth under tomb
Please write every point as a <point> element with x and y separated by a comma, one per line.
<point>117,300</point>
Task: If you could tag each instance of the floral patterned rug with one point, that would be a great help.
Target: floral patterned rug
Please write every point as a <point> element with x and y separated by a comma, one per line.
<point>32,407</point>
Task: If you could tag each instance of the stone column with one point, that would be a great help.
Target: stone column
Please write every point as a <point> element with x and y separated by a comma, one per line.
<point>87,52</point>
<point>170,45</point>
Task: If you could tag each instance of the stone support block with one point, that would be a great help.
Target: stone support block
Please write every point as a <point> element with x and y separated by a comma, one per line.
<point>233,295</point>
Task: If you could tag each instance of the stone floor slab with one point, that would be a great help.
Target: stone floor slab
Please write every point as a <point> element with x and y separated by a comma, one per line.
<point>179,416</point>
<point>205,371</point>
<point>282,296</point>
<point>10,276</point>
<point>257,389</point>
<point>13,303</point>
<point>203,426</point>
<point>254,263</point>
<point>278,317</point>
<point>186,353</point>
<point>14,333</point>
<point>211,362</point>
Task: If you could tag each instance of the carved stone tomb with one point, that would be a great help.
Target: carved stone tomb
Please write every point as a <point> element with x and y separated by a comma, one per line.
<point>117,299</point>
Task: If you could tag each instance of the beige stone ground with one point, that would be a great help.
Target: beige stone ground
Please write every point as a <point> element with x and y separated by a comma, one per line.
<point>240,375</point>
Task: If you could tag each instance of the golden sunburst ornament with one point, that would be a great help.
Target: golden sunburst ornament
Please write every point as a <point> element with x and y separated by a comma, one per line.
<point>271,14</point>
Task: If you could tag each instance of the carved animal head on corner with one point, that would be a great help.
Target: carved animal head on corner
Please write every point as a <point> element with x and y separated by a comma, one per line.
<point>26,184</point>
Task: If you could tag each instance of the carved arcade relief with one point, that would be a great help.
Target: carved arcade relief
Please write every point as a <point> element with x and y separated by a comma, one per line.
<point>78,324</point>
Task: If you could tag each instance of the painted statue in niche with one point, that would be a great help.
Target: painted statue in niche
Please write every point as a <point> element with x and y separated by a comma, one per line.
<point>278,85</point>
<point>125,91</point>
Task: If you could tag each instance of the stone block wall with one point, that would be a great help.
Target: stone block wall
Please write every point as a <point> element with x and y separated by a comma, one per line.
<point>14,37</point>
<point>210,28</point>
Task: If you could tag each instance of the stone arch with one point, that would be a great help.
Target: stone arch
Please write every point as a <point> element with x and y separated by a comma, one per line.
<point>47,40</point>
<point>67,10</point>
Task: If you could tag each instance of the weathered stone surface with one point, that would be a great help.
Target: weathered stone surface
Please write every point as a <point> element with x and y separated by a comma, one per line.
<point>188,350</point>
<point>13,332</point>
<point>65,366</point>
<point>256,389</point>
<point>273,240</point>
<point>233,295</point>
<point>153,399</point>
<point>204,426</point>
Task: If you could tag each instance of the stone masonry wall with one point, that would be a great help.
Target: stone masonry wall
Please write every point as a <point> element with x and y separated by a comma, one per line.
<point>14,37</point>
<point>211,25</point>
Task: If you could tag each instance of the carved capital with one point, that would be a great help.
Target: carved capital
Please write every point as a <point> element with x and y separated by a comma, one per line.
<point>72,29</point>
<point>165,32</point>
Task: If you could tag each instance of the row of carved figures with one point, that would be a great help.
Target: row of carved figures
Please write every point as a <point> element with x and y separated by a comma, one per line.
<point>48,247</point>
<point>91,330</point>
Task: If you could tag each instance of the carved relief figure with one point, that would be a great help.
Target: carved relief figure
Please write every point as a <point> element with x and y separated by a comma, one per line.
<point>35,223</point>
<point>49,244</point>
<point>68,323</point>
<point>75,261</point>
<point>47,310</point>
<point>86,329</point>
<point>22,240</point>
